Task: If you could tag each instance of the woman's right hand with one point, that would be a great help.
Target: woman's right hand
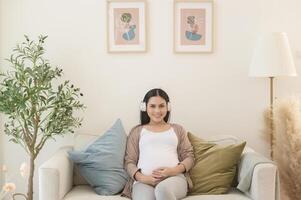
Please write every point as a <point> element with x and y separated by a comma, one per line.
<point>149,180</point>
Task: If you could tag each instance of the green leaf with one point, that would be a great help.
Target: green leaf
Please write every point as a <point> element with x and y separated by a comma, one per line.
<point>14,140</point>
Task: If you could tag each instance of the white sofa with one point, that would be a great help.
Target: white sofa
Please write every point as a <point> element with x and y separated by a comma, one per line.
<point>56,181</point>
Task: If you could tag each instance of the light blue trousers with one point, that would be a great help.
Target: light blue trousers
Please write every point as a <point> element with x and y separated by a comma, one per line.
<point>172,188</point>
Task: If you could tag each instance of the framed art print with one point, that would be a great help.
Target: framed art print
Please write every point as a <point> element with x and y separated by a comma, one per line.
<point>126,25</point>
<point>193,26</point>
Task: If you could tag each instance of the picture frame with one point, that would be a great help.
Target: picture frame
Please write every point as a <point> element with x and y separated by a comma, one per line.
<point>126,26</point>
<point>193,26</point>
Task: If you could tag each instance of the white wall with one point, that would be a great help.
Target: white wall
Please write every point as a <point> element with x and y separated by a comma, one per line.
<point>285,16</point>
<point>210,93</point>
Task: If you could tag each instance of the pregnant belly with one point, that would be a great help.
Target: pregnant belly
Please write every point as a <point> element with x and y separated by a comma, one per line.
<point>148,165</point>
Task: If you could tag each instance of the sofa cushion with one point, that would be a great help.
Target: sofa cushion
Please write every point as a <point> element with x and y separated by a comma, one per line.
<point>101,164</point>
<point>215,166</point>
<point>81,142</point>
<point>86,192</point>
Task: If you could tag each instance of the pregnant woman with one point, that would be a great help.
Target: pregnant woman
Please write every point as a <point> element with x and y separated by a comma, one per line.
<point>159,154</point>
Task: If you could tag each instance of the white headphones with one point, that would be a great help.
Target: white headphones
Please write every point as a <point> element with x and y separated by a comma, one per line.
<point>143,106</point>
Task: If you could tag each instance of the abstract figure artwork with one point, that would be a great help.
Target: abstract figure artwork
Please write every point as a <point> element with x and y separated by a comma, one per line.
<point>192,32</point>
<point>126,26</point>
<point>128,29</point>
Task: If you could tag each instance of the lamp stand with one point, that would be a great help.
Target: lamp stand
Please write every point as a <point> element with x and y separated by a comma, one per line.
<point>271,117</point>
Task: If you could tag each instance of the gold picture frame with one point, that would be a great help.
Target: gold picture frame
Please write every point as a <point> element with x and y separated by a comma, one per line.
<point>193,26</point>
<point>126,26</point>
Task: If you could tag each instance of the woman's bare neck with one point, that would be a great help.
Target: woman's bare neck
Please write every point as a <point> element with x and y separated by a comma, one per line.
<point>157,127</point>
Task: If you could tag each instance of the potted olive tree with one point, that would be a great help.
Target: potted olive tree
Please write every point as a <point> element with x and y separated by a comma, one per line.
<point>37,110</point>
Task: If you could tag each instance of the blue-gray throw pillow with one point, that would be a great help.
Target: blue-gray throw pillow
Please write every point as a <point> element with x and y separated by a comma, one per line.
<point>101,164</point>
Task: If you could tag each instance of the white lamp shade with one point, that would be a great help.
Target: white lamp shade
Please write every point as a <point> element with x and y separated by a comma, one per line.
<point>272,57</point>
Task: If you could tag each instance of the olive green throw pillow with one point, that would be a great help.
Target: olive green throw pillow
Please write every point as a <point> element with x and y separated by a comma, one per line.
<point>215,166</point>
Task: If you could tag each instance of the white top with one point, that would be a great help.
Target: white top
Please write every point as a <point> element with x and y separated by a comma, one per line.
<point>157,149</point>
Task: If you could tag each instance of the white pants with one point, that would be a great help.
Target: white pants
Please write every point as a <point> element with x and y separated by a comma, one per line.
<point>172,188</point>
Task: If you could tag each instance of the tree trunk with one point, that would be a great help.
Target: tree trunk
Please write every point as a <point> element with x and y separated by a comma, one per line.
<point>30,178</point>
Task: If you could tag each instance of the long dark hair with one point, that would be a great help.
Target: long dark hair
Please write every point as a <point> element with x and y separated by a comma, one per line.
<point>144,118</point>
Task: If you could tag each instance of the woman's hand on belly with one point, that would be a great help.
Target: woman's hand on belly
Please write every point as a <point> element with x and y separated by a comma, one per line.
<point>165,172</point>
<point>149,180</point>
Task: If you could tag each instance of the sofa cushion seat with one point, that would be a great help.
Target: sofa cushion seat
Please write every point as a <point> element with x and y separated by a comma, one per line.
<point>233,194</point>
<point>82,192</point>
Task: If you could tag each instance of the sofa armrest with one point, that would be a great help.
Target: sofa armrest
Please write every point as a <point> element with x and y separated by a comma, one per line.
<point>264,178</point>
<point>56,175</point>
<point>264,182</point>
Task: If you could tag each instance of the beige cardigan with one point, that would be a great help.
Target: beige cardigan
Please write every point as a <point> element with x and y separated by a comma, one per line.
<point>185,153</point>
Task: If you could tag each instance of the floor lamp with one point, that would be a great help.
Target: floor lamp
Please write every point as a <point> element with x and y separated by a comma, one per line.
<point>272,58</point>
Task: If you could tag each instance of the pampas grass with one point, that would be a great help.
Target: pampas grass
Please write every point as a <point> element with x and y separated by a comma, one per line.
<point>287,145</point>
